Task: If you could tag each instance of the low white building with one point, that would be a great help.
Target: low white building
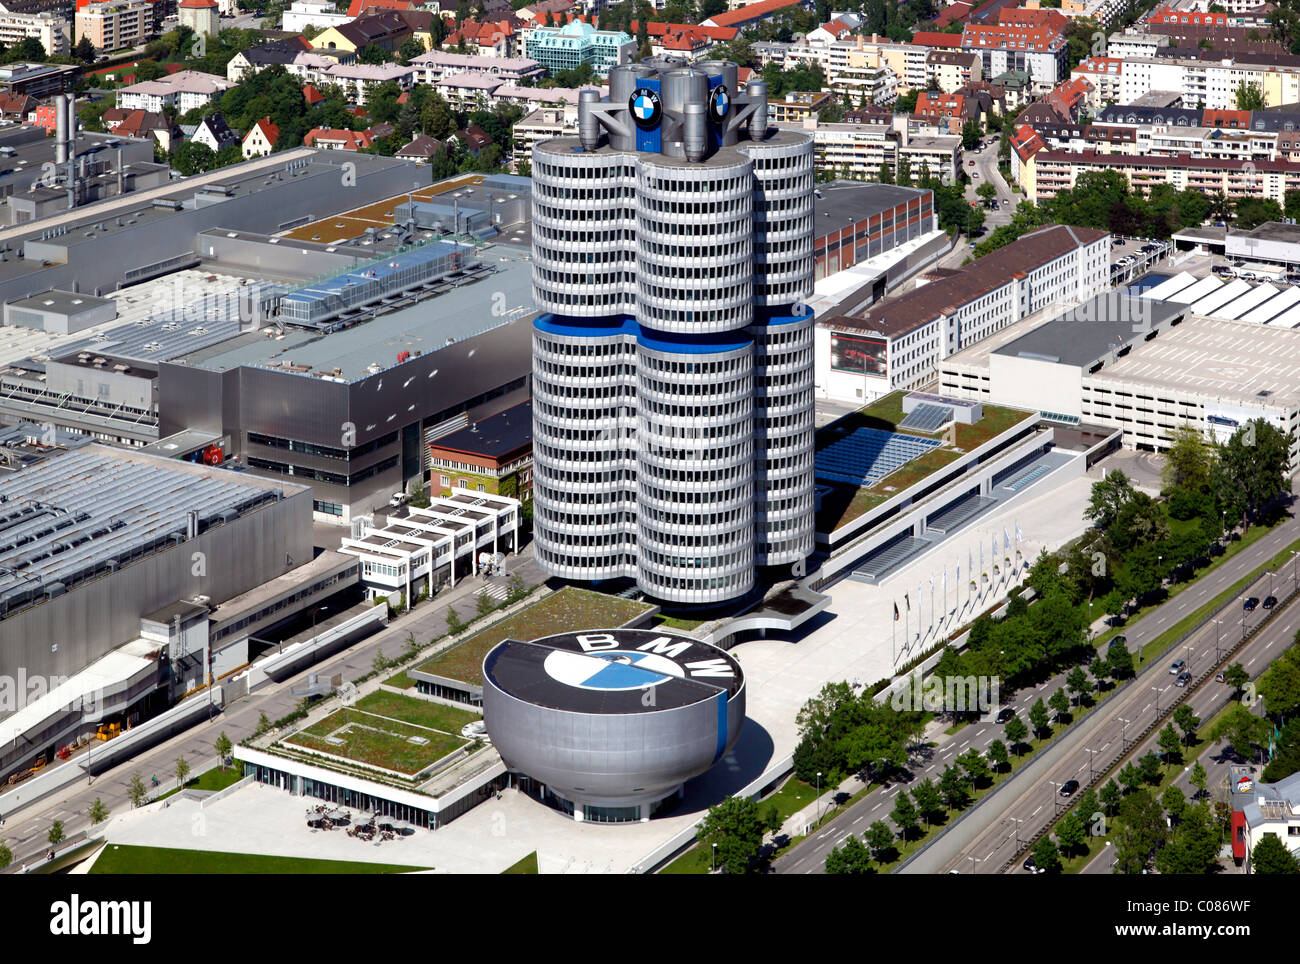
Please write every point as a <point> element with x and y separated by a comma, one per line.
<point>1268,810</point>
<point>185,90</point>
<point>416,549</point>
<point>437,64</point>
<point>901,342</point>
<point>45,26</point>
<point>321,14</point>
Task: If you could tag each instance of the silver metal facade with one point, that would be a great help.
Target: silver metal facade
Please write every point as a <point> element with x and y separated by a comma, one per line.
<point>673,367</point>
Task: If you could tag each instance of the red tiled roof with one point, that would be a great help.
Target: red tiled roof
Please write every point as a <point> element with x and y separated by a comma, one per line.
<point>311,95</point>
<point>934,38</point>
<point>754,11</point>
<point>270,131</point>
<point>197,4</point>
<point>358,7</point>
<point>1024,17</point>
<point>1026,142</point>
<point>351,140</point>
<point>655,28</point>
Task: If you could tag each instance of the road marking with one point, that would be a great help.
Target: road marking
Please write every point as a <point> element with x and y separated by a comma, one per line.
<point>877,806</point>
<point>859,820</point>
<point>963,746</point>
<point>1035,813</point>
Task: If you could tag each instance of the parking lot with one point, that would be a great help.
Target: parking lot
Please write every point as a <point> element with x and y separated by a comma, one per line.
<point>1130,258</point>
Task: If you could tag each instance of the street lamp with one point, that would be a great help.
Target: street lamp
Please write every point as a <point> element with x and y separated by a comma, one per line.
<point>1092,755</point>
<point>1156,690</point>
<point>819,795</point>
<point>713,867</point>
<point>1295,579</point>
<point>973,862</point>
<point>1123,728</point>
<point>1017,821</point>
<point>1218,628</point>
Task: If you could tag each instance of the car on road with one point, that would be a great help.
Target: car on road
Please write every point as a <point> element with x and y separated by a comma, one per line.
<point>1183,679</point>
<point>1006,714</point>
<point>1032,867</point>
<point>1069,787</point>
<point>1177,666</point>
<point>1250,604</point>
<point>1220,678</point>
<point>1269,602</point>
<point>974,173</point>
<point>970,163</point>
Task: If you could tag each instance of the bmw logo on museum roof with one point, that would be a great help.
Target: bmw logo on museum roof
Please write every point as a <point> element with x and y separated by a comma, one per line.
<point>719,103</point>
<point>646,107</point>
<point>611,670</point>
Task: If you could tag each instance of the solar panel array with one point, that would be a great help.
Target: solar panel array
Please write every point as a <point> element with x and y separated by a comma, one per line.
<point>927,418</point>
<point>866,455</point>
<point>82,514</point>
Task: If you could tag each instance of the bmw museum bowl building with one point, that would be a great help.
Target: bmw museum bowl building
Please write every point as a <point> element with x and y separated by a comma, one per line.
<point>610,723</point>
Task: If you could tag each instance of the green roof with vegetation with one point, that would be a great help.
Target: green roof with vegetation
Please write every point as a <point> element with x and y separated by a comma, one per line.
<point>379,740</point>
<point>844,502</point>
<point>124,859</point>
<point>569,610</point>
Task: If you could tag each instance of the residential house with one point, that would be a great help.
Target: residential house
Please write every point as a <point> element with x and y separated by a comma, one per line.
<point>214,132</point>
<point>331,139</point>
<point>261,139</point>
<point>422,148</point>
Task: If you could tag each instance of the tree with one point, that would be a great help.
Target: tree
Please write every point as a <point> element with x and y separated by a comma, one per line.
<point>1119,660</point>
<point>1046,855</point>
<point>997,754</point>
<point>904,815</point>
<point>380,662</point>
<point>1016,731</point>
<point>970,135</point>
<point>1149,767</point>
<point>182,770</point>
<point>1187,721</point>
<point>1141,832</point>
<point>954,788</point>
<point>881,841</point>
<point>1252,467</point>
<point>1280,684</point>
<point>903,176</point>
<point>1077,683</point>
<point>263,723</point>
<point>454,623</point>
<point>1060,703</point>
<point>410,49</point>
<point>1236,677</point>
<point>1189,460</point>
<point>1038,718</point>
<point>97,813</point>
<point>135,791</point>
<point>1070,833</point>
<point>1087,807</point>
<point>515,589</point>
<point>483,605</point>
<point>1111,796</point>
<point>1174,802</point>
<point>84,51</point>
<point>976,767</point>
<point>986,192</point>
<point>223,746</point>
<point>1243,731</point>
<point>737,826</point>
<point>852,858</point>
<point>56,835</point>
<point>375,55</point>
<point>929,800</point>
<point>6,856</point>
<point>1199,779</point>
<point>1271,856</point>
<point>1107,497</point>
<point>1170,744</point>
<point>1193,847</point>
<point>1250,97</point>
<point>1130,776</point>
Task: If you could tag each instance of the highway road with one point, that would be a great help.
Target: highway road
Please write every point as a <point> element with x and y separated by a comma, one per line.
<point>25,831</point>
<point>810,855</point>
<point>1124,718</point>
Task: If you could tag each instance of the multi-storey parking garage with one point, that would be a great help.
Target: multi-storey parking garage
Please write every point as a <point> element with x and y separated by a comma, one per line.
<point>673,380</point>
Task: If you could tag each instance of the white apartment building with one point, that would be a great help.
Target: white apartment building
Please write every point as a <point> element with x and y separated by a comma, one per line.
<point>541,125</point>
<point>185,90</point>
<point>115,24</point>
<point>322,14</point>
<point>47,27</point>
<point>1208,84</point>
<point>436,65</point>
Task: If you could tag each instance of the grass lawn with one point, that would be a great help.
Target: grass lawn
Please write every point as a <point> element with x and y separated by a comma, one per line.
<point>420,712</point>
<point>526,866</point>
<point>677,622</point>
<point>569,610</point>
<point>401,681</point>
<point>122,859</point>
<point>214,779</point>
<point>376,741</point>
<point>844,503</point>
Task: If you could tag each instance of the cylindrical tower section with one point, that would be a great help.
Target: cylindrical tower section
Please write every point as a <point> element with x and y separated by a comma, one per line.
<point>584,457</point>
<point>694,272</point>
<point>783,219</point>
<point>584,246</point>
<point>695,467</point>
<point>783,438</point>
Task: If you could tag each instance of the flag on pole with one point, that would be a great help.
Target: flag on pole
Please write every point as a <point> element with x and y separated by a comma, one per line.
<point>1006,539</point>
<point>959,574</point>
<point>932,584</point>
<point>1020,536</point>
<point>970,561</point>
<point>981,556</point>
<point>908,602</point>
<point>895,612</point>
<point>945,577</point>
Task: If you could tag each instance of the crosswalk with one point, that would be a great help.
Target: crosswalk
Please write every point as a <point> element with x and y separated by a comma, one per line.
<point>493,591</point>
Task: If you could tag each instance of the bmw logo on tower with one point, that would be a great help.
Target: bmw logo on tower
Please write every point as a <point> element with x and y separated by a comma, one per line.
<point>719,101</point>
<point>646,108</point>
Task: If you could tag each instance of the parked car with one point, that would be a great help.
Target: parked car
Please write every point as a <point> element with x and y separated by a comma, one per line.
<point>1219,677</point>
<point>970,163</point>
<point>1270,602</point>
<point>1032,867</point>
<point>1183,679</point>
<point>1177,667</point>
<point>1250,604</point>
<point>1069,787</point>
<point>1120,640</point>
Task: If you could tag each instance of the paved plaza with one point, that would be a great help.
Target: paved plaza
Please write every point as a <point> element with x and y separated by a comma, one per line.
<point>851,641</point>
